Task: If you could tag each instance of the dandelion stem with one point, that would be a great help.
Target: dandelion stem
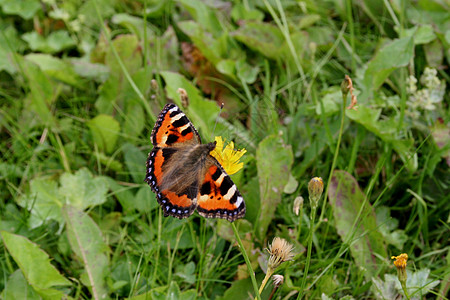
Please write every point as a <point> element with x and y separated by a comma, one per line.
<point>403,283</point>
<point>247,261</point>
<point>264,282</point>
<point>308,257</point>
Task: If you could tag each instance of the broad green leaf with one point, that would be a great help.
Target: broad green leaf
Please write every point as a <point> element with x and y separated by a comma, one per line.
<point>86,241</point>
<point>46,199</point>
<point>43,201</point>
<point>262,37</point>
<point>123,194</point>
<point>24,8</point>
<point>55,42</point>
<point>17,287</point>
<point>10,44</point>
<point>145,200</point>
<point>42,92</point>
<point>388,228</point>
<point>243,12</point>
<point>421,35</point>
<point>417,283</point>
<point>105,132</point>
<point>34,264</point>
<point>201,112</point>
<point>86,69</point>
<point>135,162</point>
<point>396,54</point>
<point>82,190</point>
<point>274,161</point>
<point>56,68</point>
<point>366,243</point>
<point>204,16</point>
<point>385,130</point>
<point>134,25</point>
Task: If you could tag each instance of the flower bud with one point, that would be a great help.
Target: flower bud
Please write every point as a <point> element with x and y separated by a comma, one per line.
<point>315,189</point>
<point>298,203</point>
<point>400,264</point>
<point>184,97</point>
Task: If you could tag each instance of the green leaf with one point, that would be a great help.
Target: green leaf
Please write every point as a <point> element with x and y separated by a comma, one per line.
<point>262,37</point>
<point>105,132</point>
<point>203,15</point>
<point>86,241</point>
<point>388,228</point>
<point>34,264</point>
<point>55,42</point>
<point>43,201</point>
<point>56,68</point>
<point>274,161</point>
<point>82,190</point>
<point>42,92</point>
<point>366,243</point>
<point>396,54</point>
<point>24,8</point>
<point>135,162</point>
<point>421,35</point>
<point>385,130</point>
<point>17,287</point>
<point>145,200</point>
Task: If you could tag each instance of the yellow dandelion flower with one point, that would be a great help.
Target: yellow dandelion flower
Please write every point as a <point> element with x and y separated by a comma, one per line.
<point>400,264</point>
<point>400,261</point>
<point>228,157</point>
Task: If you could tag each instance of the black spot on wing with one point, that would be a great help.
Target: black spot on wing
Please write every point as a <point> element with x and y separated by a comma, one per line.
<point>175,112</point>
<point>206,188</point>
<point>180,122</point>
<point>186,131</point>
<point>172,138</point>
<point>226,185</point>
<point>216,174</point>
<point>234,198</point>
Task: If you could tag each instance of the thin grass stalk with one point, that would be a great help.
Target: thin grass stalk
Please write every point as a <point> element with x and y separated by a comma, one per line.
<point>247,261</point>
<point>308,257</point>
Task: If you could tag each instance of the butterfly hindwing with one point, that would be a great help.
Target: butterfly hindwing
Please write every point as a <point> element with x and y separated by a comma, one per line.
<point>218,196</point>
<point>180,203</point>
<point>173,128</point>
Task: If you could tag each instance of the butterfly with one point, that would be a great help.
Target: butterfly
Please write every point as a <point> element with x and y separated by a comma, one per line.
<point>184,175</point>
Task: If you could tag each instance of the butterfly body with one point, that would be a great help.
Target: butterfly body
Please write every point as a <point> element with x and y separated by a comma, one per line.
<point>183,174</point>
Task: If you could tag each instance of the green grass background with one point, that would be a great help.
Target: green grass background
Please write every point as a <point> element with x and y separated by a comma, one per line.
<point>81,85</point>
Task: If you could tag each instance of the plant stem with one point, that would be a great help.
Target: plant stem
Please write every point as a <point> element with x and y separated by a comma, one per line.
<point>308,257</point>
<point>247,261</point>
<point>403,283</point>
<point>264,282</point>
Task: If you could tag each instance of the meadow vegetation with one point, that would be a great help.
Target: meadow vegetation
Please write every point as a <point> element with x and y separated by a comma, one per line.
<point>81,86</point>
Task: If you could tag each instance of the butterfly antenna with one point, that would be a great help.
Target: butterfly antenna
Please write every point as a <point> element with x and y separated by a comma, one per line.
<point>217,119</point>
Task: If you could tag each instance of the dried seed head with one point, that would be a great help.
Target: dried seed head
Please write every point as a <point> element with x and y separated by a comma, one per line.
<point>278,280</point>
<point>280,251</point>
